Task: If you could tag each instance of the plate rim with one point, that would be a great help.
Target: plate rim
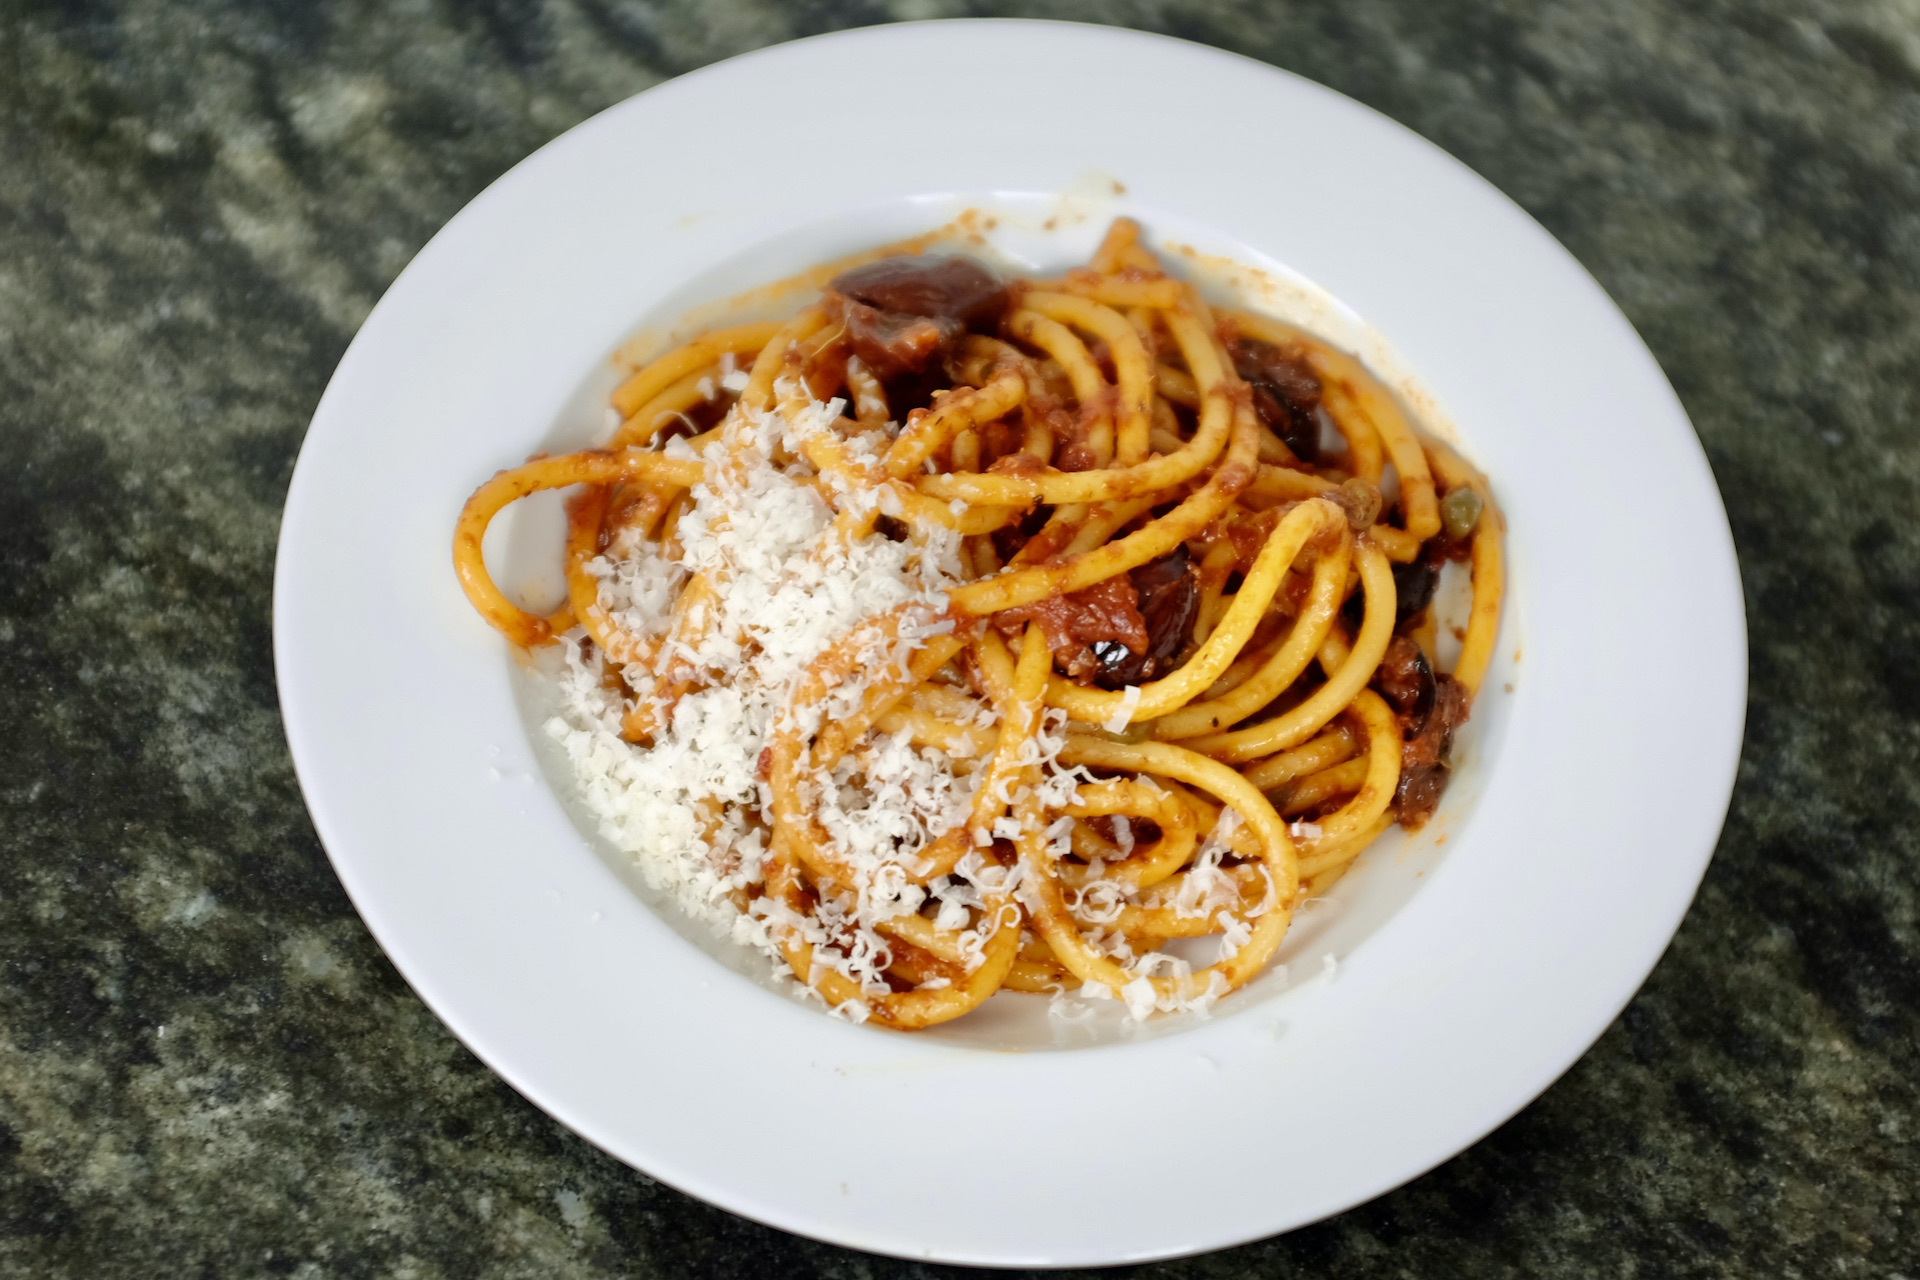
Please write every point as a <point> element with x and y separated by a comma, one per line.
<point>312,773</point>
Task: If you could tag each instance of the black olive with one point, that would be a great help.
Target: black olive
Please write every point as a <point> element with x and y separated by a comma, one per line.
<point>1354,611</point>
<point>1418,795</point>
<point>908,391</point>
<point>1406,681</point>
<point>953,287</point>
<point>1008,539</point>
<point>1157,575</point>
<point>1413,586</point>
<point>1423,701</point>
<point>1286,395</point>
<point>1298,429</point>
<point>1119,665</point>
<point>1169,591</point>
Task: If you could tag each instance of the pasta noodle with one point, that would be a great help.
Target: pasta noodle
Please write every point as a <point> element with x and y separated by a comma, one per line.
<point>956,635</point>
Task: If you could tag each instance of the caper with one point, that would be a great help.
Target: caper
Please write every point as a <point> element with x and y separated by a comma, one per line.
<point>1460,512</point>
<point>1360,500</point>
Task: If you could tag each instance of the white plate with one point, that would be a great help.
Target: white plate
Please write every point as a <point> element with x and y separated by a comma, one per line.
<point>1589,807</point>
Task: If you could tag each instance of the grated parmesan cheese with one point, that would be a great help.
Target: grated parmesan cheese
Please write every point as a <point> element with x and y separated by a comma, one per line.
<point>791,589</point>
<point>1123,714</point>
<point>689,807</point>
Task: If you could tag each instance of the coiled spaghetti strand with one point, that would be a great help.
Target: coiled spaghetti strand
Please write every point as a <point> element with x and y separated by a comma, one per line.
<point>1330,748</point>
<point>1132,371</point>
<point>1147,863</point>
<point>703,351</point>
<point>1054,919</point>
<point>1287,662</point>
<point>1483,622</point>
<point>1302,722</point>
<point>506,487</point>
<point>1024,586</point>
<point>671,405</point>
<point>1218,425</point>
<point>1123,857</point>
<point>1283,545</point>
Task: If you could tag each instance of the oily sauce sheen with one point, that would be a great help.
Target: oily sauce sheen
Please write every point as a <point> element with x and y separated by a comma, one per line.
<point>904,316</point>
<point>961,634</point>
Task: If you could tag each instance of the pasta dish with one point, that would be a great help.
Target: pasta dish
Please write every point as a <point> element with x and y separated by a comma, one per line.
<point>962,633</point>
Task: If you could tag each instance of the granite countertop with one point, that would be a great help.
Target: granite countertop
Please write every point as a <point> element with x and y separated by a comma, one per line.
<point>208,1067</point>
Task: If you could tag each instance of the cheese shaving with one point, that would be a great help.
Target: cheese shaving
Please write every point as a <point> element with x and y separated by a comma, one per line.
<point>1123,714</point>
<point>686,805</point>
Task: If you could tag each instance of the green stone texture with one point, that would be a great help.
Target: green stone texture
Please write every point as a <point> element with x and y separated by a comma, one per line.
<point>207,1066</point>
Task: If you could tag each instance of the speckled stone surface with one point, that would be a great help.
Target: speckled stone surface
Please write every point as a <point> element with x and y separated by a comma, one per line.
<point>208,1068</point>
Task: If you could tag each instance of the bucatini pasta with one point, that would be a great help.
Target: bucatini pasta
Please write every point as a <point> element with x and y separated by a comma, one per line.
<point>961,634</point>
